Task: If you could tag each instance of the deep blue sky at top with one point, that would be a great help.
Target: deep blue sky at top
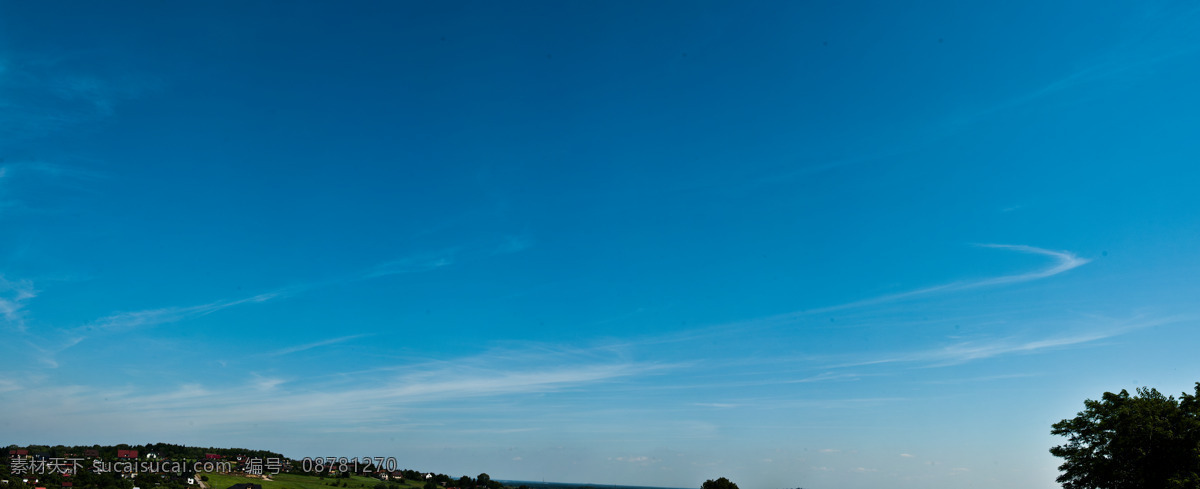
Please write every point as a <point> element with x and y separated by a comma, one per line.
<point>770,227</point>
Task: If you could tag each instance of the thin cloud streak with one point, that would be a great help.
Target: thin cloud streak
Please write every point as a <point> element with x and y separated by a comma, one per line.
<point>134,320</point>
<point>411,265</point>
<point>309,346</point>
<point>19,292</point>
<point>13,297</point>
<point>154,317</point>
<point>968,351</point>
<point>1133,56</point>
<point>8,385</point>
<point>42,96</point>
<point>15,169</point>
<point>331,406</point>
<point>1064,261</point>
<point>976,380</point>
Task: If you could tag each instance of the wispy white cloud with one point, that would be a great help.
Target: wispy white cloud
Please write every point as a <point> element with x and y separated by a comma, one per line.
<point>1119,63</point>
<point>153,317</point>
<point>964,351</point>
<point>1165,36</point>
<point>48,347</point>
<point>14,295</point>
<point>639,460</point>
<point>823,377</point>
<point>22,178</point>
<point>309,346</point>
<point>500,431</point>
<point>45,95</point>
<point>967,351</point>
<point>8,385</point>
<point>45,169</point>
<point>423,262</point>
<point>721,405</point>
<point>344,405</point>
<point>267,383</point>
<point>413,264</point>
<point>514,244</point>
<point>1063,261</point>
<point>985,378</point>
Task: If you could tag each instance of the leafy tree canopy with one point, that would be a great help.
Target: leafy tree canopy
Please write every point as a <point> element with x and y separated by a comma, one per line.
<point>1147,441</point>
<point>721,483</point>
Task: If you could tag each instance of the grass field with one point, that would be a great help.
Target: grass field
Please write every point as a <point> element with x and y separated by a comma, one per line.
<point>297,481</point>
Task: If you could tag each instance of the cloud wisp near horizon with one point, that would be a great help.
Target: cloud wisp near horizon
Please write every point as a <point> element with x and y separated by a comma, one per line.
<point>449,378</point>
<point>123,322</point>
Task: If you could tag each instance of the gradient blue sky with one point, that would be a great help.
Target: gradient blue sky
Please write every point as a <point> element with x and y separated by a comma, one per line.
<point>819,244</point>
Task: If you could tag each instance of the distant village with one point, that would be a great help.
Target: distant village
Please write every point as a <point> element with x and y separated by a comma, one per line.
<point>167,466</point>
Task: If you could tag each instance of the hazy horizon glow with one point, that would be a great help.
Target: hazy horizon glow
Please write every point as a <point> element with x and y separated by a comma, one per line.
<point>795,244</point>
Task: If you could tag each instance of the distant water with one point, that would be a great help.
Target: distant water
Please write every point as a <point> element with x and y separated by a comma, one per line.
<point>573,485</point>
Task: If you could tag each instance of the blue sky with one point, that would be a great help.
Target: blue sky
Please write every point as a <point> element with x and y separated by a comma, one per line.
<point>818,244</point>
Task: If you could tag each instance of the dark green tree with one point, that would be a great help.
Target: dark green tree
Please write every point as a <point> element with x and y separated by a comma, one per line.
<point>144,479</point>
<point>721,483</point>
<point>1147,441</point>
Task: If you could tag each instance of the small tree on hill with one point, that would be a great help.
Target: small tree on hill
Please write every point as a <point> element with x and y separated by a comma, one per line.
<point>721,483</point>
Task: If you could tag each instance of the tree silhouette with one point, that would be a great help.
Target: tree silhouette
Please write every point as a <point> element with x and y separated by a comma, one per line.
<point>1147,441</point>
<point>721,483</point>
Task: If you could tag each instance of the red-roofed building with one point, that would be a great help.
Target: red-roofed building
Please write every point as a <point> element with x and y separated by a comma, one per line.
<point>127,454</point>
<point>212,456</point>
